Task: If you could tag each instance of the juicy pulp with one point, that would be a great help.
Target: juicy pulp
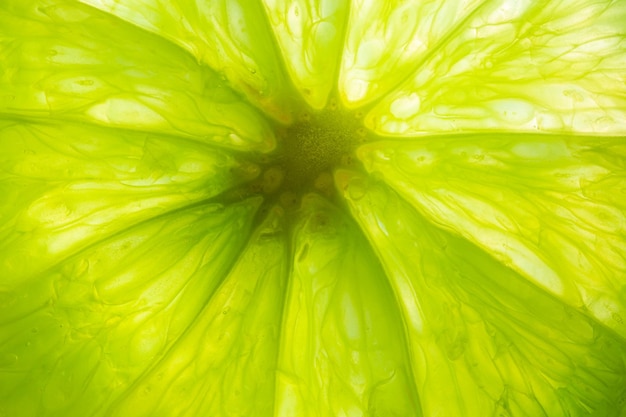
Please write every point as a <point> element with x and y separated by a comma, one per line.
<point>298,207</point>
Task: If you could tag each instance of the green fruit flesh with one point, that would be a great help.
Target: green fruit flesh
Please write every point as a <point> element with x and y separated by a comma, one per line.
<point>285,208</point>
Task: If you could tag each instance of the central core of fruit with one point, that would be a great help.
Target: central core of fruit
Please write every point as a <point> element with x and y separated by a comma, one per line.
<point>309,150</point>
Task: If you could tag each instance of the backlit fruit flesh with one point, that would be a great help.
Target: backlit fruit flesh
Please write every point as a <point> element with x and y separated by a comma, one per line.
<point>312,208</point>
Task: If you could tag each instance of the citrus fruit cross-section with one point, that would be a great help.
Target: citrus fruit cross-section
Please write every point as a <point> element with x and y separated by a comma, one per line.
<point>279,208</point>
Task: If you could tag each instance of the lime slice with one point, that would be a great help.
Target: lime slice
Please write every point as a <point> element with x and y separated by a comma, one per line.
<point>312,208</point>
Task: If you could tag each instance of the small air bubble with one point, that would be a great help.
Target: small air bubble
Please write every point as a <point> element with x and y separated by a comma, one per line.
<point>356,190</point>
<point>272,179</point>
<point>385,154</point>
<point>236,139</point>
<point>406,106</point>
<point>289,200</point>
<point>347,160</point>
<point>324,183</point>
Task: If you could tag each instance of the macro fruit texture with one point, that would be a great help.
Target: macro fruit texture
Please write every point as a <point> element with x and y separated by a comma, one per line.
<point>312,208</point>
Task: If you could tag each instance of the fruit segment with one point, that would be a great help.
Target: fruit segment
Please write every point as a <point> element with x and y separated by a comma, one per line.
<point>72,62</point>
<point>519,66</point>
<point>484,340</point>
<point>77,337</point>
<point>551,207</point>
<point>310,34</point>
<point>230,36</point>
<point>387,41</point>
<point>68,186</point>
<point>342,345</point>
<point>225,361</point>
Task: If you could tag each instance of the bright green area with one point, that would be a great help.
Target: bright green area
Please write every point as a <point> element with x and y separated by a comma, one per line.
<point>460,249</point>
